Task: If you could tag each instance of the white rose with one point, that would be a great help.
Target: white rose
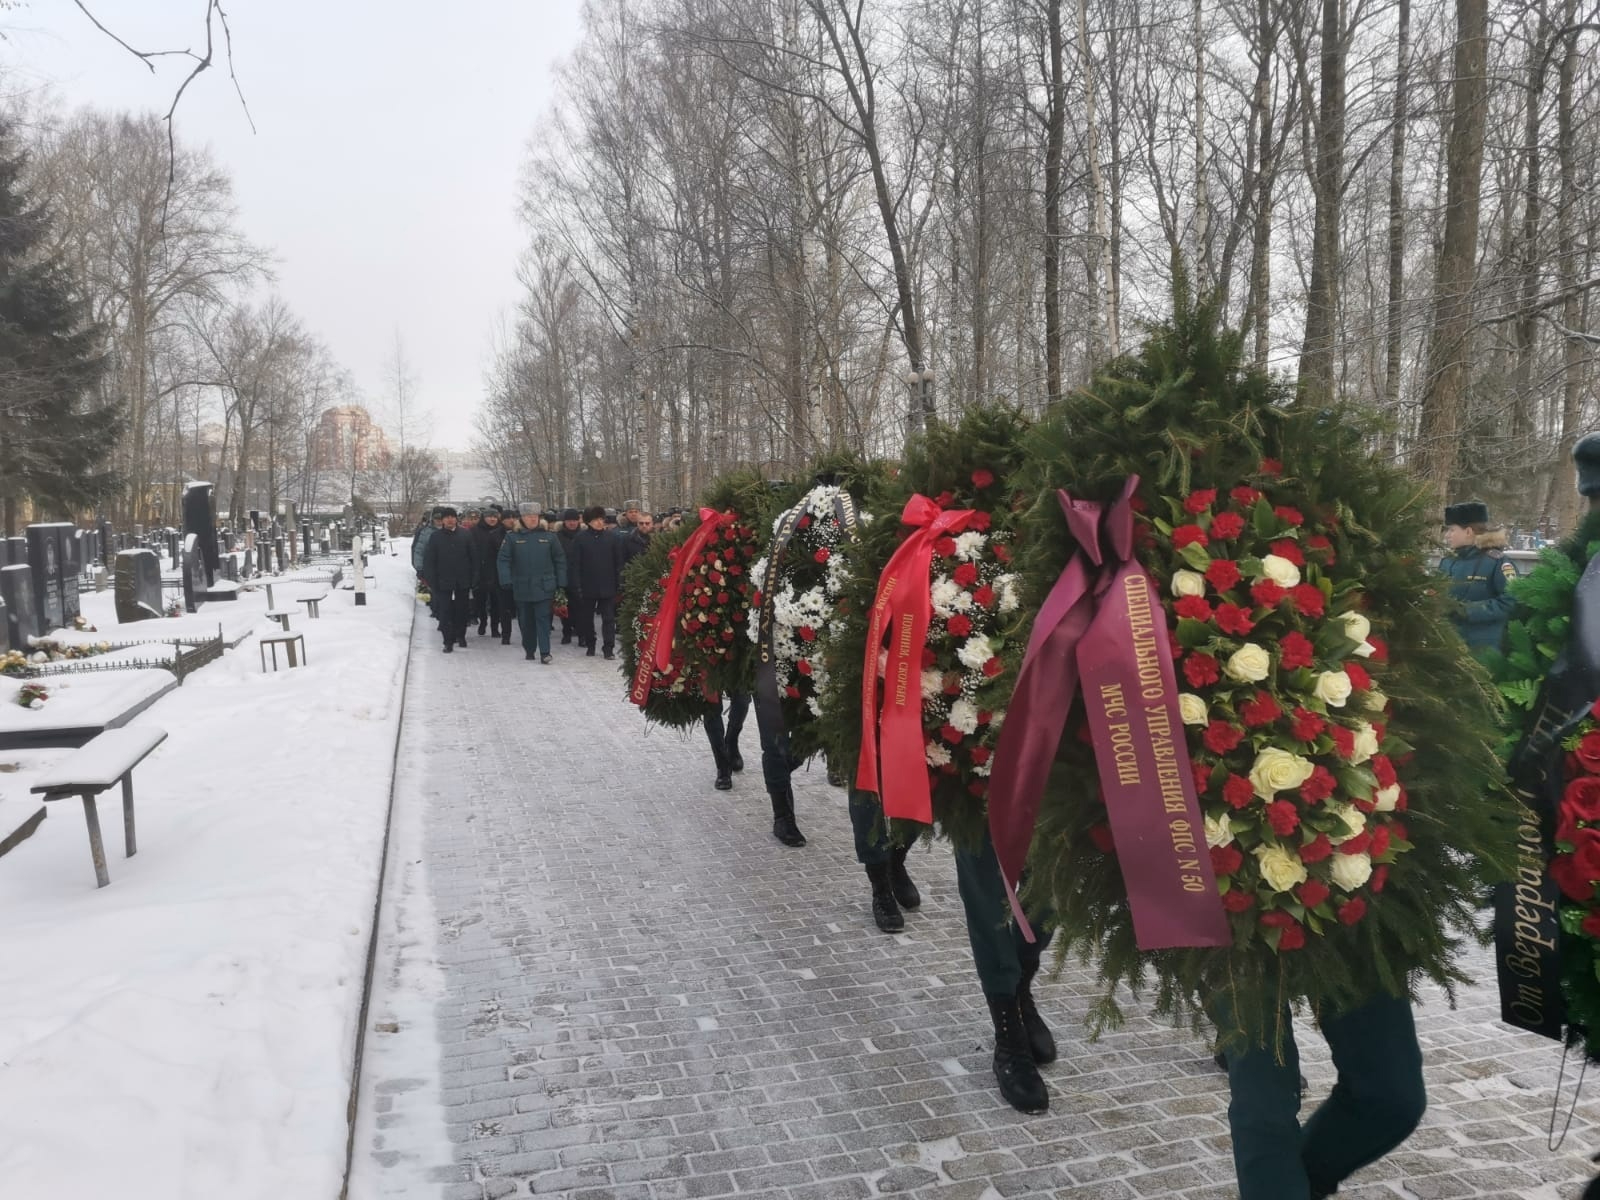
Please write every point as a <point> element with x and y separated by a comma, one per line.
<point>1188,583</point>
<point>1365,650</point>
<point>1356,627</point>
<point>1219,830</point>
<point>1385,799</point>
<point>1279,868</point>
<point>1332,688</point>
<point>1350,871</point>
<point>1366,743</point>
<point>1192,709</point>
<point>1354,820</point>
<point>1248,664</point>
<point>1375,700</point>
<point>1280,570</point>
<point>1277,771</point>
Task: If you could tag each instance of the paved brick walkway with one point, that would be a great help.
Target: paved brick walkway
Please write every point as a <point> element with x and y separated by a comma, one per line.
<point>642,996</point>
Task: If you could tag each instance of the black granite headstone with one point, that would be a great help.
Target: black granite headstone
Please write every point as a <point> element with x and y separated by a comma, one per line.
<point>66,538</point>
<point>230,567</point>
<point>44,556</point>
<point>305,537</point>
<point>5,629</point>
<point>19,550</point>
<point>198,520</point>
<point>108,544</point>
<point>249,567</point>
<point>278,551</point>
<point>194,574</point>
<point>5,552</point>
<point>138,584</point>
<point>16,590</point>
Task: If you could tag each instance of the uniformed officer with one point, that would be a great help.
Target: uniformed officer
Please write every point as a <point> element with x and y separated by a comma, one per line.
<point>1479,574</point>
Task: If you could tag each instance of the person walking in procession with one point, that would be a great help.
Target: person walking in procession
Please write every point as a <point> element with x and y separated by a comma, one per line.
<point>450,566</point>
<point>510,522</point>
<point>487,536</point>
<point>571,526</point>
<point>1479,575</point>
<point>532,564</point>
<point>598,556</point>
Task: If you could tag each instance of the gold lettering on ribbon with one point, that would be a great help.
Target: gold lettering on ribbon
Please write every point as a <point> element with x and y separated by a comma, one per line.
<point>1525,958</point>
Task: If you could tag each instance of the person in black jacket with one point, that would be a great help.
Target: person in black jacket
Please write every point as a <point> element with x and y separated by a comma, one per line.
<point>487,536</point>
<point>450,566</point>
<point>569,529</point>
<point>598,556</point>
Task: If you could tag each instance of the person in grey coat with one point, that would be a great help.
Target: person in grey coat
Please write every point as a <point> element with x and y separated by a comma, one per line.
<point>532,564</point>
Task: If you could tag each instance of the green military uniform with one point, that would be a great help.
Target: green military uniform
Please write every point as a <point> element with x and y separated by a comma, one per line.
<point>1479,577</point>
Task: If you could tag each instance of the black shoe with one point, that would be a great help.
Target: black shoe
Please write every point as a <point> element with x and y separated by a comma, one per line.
<point>566,639</point>
<point>506,640</point>
<point>462,643</point>
<point>448,647</point>
<point>608,655</point>
<point>1014,1068</point>
<point>783,826</point>
<point>528,655</point>
<point>1041,1042</point>
<point>905,892</point>
<point>735,759</point>
<point>482,628</point>
<point>589,653</point>
<point>885,909</point>
<point>724,780</point>
<point>544,659</point>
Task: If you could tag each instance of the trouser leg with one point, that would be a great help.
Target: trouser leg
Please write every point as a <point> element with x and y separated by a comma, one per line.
<point>526,623</point>
<point>870,827</point>
<point>541,624</point>
<point>775,765</point>
<point>1264,1102</point>
<point>608,623</point>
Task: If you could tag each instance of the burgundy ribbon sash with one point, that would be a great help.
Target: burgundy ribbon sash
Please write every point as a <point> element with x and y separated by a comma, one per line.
<point>1102,631</point>
<point>892,741</point>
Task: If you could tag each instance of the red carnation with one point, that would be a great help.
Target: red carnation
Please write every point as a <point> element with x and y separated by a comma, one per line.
<point>945,499</point>
<point>1283,818</point>
<point>1220,737</point>
<point>1588,752</point>
<point>1359,844</point>
<point>807,634</point>
<point>703,600</point>
<point>803,666</point>
<point>1188,535</point>
<point>723,597</point>
<point>959,625</point>
<point>1225,860</point>
<point>1380,878</point>
<point>952,684</point>
<point>1292,938</point>
<point>1380,649</point>
<point>1237,791</point>
<point>1384,770</point>
<point>928,658</point>
<point>978,787</point>
<point>1319,543</point>
<point>979,755</point>
<point>1344,740</point>
<point>945,547</point>
<point>1319,787</point>
<point>982,478</point>
<point>1237,902</point>
<point>1352,911</point>
<point>1295,651</point>
<point>1201,774</point>
<point>1223,573</point>
<point>1271,468</point>
<point>1196,502</point>
<point>1100,835</point>
<point>1379,846</point>
<point>1201,670</point>
<point>1359,679</point>
<point>984,716</point>
<point>1307,599</point>
<point>984,596</point>
<point>966,574</point>
<point>1307,724</point>
<point>1227,526</point>
<point>804,522</point>
<point>1317,849</point>
<point>1195,608</point>
<point>1245,496</point>
<point>1263,710</point>
<point>1290,549</point>
<point>1002,552</point>
<point>1276,919</point>
<point>1312,892</point>
<point>951,734</point>
<point>1289,516</point>
<point>1267,594</point>
<point>823,554</point>
<point>993,667</point>
<point>1233,619</point>
<point>981,521</point>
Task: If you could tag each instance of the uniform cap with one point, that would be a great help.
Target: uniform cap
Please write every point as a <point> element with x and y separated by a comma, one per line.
<point>1468,512</point>
<point>571,514</point>
<point>1586,454</point>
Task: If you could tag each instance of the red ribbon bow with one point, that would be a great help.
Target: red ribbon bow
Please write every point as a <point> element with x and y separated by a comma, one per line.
<point>661,640</point>
<point>901,609</point>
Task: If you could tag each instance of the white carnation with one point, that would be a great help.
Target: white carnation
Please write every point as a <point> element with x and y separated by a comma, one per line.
<point>964,716</point>
<point>932,681</point>
<point>943,593</point>
<point>974,653</point>
<point>1010,598</point>
<point>936,754</point>
<point>970,545</point>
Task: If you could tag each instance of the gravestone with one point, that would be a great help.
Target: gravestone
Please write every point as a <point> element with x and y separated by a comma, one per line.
<point>18,547</point>
<point>44,556</point>
<point>5,552</point>
<point>138,585</point>
<point>195,581</point>
<point>5,630</point>
<point>305,537</point>
<point>71,574</point>
<point>16,592</point>
<point>358,561</point>
<point>174,548</point>
<point>230,567</point>
<point>227,541</point>
<point>198,520</point>
<point>278,553</point>
<point>108,543</point>
<point>249,567</point>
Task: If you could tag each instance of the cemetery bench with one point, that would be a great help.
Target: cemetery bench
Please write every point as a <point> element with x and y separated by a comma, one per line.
<point>281,616</point>
<point>107,760</point>
<point>294,643</point>
<point>311,603</point>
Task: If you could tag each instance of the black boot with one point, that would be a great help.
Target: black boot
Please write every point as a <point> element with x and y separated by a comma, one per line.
<point>1014,1068</point>
<point>905,892</point>
<point>783,826</point>
<point>731,745</point>
<point>1040,1040</point>
<point>885,910</point>
<point>724,781</point>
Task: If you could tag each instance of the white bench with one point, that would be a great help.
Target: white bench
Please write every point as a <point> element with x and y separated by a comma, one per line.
<point>107,760</point>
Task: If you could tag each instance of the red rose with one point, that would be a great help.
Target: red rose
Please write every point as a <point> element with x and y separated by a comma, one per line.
<point>978,787</point>
<point>1312,892</point>
<point>1227,526</point>
<point>1201,670</point>
<point>1220,737</point>
<point>1360,681</point>
<point>1290,549</point>
<point>1263,710</point>
<point>1352,911</point>
<point>1223,573</point>
<point>1295,651</point>
<point>1307,599</point>
<point>723,597</point>
<point>1225,860</point>
<point>1581,799</point>
<point>944,547</point>
<point>1586,854</point>
<point>755,600</point>
<point>803,522</point>
<point>1384,770</point>
<point>1317,849</point>
<point>1195,608</point>
<point>1289,516</point>
<point>1233,619</point>
<point>1292,938</point>
<point>1588,752</point>
<point>792,692</point>
<point>1100,835</point>
<point>1570,879</point>
<point>980,521</point>
<point>984,596</point>
<point>982,478</point>
<point>1237,791</point>
<point>1188,535</point>
<point>1271,468</point>
<point>1236,901</point>
<point>979,755</point>
<point>952,684</point>
<point>1267,594</point>
<point>823,554</point>
<point>1307,724</point>
<point>959,625</point>
<point>951,734</point>
<point>703,600</point>
<point>984,716</point>
<point>803,666</point>
<point>1283,818</point>
<point>807,634</point>
<point>966,574</point>
<point>1344,740</point>
<point>993,667</point>
<point>1196,502</point>
<point>1319,787</point>
<point>1244,496</point>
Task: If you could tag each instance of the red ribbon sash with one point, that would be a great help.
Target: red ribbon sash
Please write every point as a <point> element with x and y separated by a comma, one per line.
<point>640,692</point>
<point>1102,629</point>
<point>666,629</point>
<point>892,742</point>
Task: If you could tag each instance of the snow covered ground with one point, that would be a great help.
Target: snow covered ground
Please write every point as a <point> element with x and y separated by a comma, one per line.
<point>188,1031</point>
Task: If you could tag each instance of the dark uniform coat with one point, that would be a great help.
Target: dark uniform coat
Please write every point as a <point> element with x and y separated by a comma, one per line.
<point>598,557</point>
<point>532,564</point>
<point>1479,576</point>
<point>450,561</point>
<point>487,541</point>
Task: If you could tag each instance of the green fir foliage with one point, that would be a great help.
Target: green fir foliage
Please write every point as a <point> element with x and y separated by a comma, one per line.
<point>757,501</point>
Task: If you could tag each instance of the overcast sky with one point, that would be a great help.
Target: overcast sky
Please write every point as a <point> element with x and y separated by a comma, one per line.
<point>382,173</point>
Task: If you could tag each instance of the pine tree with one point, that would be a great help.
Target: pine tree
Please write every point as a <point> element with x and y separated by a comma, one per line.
<point>55,432</point>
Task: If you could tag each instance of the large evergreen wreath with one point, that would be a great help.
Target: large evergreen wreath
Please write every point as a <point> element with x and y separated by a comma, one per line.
<point>676,698</point>
<point>1189,418</point>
